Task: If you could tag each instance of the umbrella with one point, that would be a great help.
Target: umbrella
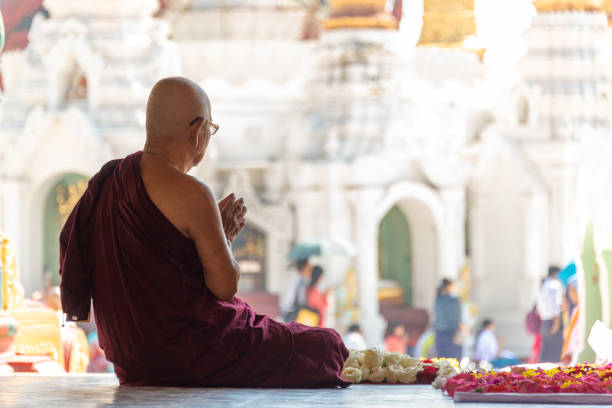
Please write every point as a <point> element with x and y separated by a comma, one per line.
<point>320,247</point>
<point>567,273</point>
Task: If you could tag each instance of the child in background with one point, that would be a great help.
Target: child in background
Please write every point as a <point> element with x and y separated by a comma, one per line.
<point>396,340</point>
<point>354,339</point>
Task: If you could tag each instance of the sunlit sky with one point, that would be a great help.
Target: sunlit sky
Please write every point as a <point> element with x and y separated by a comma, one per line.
<point>500,26</point>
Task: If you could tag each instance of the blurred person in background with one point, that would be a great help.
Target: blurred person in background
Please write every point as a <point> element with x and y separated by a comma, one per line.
<point>296,298</point>
<point>448,325</point>
<point>572,342</point>
<point>353,340</point>
<point>396,340</point>
<point>97,360</point>
<point>533,324</point>
<point>426,345</point>
<point>549,304</point>
<point>489,348</point>
<point>315,298</point>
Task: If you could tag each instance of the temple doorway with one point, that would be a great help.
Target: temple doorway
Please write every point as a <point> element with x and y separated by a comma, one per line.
<point>408,261</point>
<point>59,202</point>
<point>394,260</point>
<point>249,249</point>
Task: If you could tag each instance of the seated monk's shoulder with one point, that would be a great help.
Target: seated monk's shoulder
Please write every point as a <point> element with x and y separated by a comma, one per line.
<point>180,197</point>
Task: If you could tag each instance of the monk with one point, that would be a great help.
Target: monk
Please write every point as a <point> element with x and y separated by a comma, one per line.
<point>152,248</point>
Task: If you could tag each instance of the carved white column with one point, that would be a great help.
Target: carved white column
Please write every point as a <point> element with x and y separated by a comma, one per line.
<point>535,246</point>
<point>559,163</point>
<point>477,236</point>
<point>452,239</point>
<point>310,211</point>
<point>562,224</point>
<point>365,233</point>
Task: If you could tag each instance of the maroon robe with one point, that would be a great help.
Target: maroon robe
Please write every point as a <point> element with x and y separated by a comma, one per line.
<point>157,321</point>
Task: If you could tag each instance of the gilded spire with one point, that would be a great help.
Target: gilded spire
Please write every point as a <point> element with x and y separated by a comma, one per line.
<point>360,14</point>
<point>447,23</point>
<point>607,7</point>
<point>547,6</point>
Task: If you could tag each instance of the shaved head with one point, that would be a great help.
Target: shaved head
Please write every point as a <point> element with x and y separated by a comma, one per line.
<point>173,103</point>
<point>178,122</point>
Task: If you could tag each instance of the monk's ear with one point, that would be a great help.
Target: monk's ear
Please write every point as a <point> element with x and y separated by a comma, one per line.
<point>194,132</point>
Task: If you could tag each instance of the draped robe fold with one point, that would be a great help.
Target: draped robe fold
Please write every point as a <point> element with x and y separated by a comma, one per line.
<point>157,321</point>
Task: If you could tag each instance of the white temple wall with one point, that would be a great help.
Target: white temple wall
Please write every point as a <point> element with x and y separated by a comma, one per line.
<point>509,242</point>
<point>52,146</point>
<point>558,161</point>
<point>241,60</point>
<point>322,210</point>
<point>252,119</point>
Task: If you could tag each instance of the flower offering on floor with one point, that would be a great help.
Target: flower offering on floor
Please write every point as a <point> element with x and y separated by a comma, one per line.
<point>580,379</point>
<point>374,366</point>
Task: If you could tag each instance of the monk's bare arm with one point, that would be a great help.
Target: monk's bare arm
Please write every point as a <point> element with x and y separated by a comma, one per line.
<point>221,271</point>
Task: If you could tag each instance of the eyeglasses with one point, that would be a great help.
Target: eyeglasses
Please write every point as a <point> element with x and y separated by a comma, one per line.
<point>213,127</point>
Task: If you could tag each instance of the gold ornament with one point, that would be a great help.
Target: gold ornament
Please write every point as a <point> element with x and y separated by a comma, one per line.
<point>67,197</point>
<point>360,14</point>
<point>547,6</point>
<point>12,291</point>
<point>448,23</point>
<point>607,7</point>
<point>39,333</point>
<point>39,328</point>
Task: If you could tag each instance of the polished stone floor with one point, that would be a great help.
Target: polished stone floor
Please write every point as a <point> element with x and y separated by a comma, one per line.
<point>94,390</point>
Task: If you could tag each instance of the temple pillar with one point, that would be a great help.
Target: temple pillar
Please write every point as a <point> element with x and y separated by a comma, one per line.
<point>308,208</point>
<point>558,163</point>
<point>535,245</point>
<point>365,234</point>
<point>452,232</point>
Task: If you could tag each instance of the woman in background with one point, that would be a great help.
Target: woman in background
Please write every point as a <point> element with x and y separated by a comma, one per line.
<point>572,343</point>
<point>315,299</point>
<point>448,321</point>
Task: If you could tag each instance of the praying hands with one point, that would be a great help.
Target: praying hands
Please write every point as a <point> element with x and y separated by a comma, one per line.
<point>233,216</point>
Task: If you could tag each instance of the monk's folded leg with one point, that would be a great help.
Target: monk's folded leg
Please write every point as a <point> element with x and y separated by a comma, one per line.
<point>317,360</point>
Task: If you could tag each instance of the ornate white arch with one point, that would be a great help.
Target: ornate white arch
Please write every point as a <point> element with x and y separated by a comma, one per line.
<point>425,211</point>
<point>408,190</point>
<point>54,142</point>
<point>52,145</point>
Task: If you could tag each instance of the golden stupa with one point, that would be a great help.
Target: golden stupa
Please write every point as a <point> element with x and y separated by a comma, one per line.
<point>448,23</point>
<point>607,7</point>
<point>546,6</point>
<point>360,14</point>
